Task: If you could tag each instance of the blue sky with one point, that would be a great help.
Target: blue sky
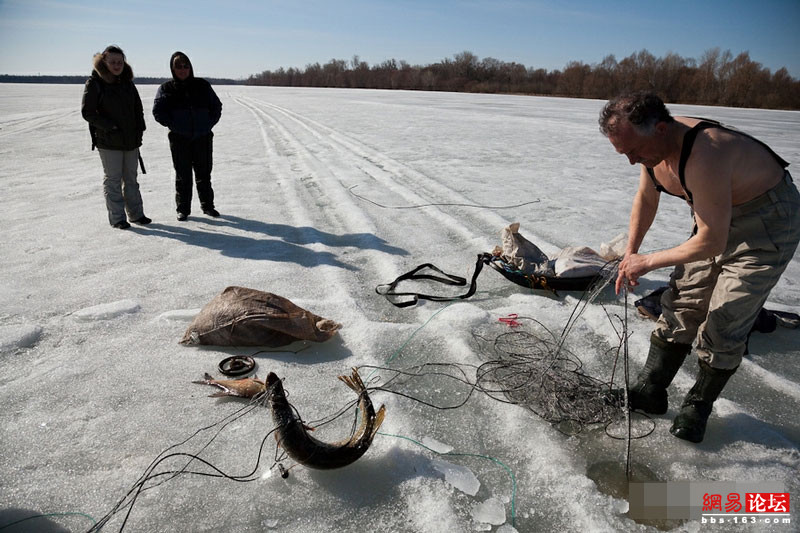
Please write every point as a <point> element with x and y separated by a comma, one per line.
<point>241,37</point>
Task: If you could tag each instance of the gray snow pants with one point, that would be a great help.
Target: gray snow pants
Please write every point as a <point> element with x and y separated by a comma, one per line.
<point>716,300</point>
<point>119,184</point>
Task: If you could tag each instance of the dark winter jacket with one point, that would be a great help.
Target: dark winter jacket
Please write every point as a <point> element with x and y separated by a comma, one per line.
<point>112,106</point>
<point>189,108</point>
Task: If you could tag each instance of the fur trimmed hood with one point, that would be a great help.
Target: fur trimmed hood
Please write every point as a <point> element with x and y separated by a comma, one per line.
<point>101,70</point>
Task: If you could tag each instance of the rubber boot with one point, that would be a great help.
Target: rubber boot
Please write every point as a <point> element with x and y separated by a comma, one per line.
<point>690,423</point>
<point>649,391</point>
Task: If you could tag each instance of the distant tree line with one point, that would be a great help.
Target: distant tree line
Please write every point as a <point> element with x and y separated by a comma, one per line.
<point>717,78</point>
<point>12,78</point>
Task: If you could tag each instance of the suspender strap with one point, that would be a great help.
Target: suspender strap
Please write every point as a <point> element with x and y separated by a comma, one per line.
<point>656,184</point>
<point>389,290</point>
<point>686,150</point>
<point>716,124</point>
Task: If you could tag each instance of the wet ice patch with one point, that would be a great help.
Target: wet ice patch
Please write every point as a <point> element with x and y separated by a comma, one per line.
<point>491,511</point>
<point>19,336</point>
<point>458,476</point>
<point>107,311</point>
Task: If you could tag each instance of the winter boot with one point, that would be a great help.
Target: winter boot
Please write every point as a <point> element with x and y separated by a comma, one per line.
<point>649,391</point>
<point>690,423</point>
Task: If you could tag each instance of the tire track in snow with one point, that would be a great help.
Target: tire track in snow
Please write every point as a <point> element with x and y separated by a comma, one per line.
<point>321,171</point>
<point>327,163</point>
<point>401,180</point>
<point>303,187</point>
<point>17,125</point>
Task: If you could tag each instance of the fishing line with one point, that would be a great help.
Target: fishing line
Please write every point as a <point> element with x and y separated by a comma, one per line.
<point>350,190</point>
<point>464,380</point>
<point>627,385</point>
<point>533,370</point>
<point>457,454</point>
<point>129,499</point>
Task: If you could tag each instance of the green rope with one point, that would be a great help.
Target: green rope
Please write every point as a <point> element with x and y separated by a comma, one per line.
<point>402,346</point>
<point>456,454</point>
<point>48,515</point>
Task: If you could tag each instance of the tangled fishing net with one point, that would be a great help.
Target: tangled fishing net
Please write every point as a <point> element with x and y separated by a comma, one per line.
<point>540,374</point>
<point>532,367</point>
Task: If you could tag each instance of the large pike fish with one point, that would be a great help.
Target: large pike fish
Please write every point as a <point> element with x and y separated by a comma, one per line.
<point>292,435</point>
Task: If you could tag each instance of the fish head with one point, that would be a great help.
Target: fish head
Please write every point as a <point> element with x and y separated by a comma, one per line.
<point>274,385</point>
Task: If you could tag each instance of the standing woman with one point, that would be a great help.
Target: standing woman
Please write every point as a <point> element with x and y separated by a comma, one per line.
<point>112,106</point>
<point>189,107</point>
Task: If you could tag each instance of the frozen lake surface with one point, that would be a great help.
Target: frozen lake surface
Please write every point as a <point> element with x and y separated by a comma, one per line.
<point>94,385</point>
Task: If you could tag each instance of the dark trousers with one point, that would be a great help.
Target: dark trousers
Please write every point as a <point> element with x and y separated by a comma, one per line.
<point>188,154</point>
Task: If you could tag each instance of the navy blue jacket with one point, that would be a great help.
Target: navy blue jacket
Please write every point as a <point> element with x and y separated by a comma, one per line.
<point>189,108</point>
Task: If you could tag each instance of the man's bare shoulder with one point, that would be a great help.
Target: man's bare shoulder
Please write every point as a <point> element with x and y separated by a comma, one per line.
<point>729,159</point>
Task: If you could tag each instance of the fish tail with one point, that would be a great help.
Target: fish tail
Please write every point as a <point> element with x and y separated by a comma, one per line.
<point>378,421</point>
<point>206,378</point>
<point>354,381</point>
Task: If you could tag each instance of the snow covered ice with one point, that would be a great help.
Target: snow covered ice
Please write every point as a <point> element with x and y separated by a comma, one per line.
<point>95,385</point>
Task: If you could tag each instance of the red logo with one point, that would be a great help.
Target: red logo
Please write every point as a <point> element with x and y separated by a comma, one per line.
<point>766,502</point>
<point>733,505</point>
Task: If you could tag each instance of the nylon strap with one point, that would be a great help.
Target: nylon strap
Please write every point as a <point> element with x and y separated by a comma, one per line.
<point>389,290</point>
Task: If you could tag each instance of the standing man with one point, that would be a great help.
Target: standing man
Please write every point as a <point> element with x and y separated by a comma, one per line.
<point>747,225</point>
<point>189,107</point>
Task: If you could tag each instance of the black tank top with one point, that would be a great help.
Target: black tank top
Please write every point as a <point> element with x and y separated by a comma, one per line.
<point>686,150</point>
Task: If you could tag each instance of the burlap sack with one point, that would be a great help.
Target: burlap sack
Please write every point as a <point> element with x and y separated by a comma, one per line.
<point>520,252</point>
<point>247,317</point>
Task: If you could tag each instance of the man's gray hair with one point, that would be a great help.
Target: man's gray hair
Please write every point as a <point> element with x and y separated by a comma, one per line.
<point>642,109</point>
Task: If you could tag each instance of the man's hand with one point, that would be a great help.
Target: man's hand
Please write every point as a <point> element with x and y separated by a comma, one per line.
<point>633,266</point>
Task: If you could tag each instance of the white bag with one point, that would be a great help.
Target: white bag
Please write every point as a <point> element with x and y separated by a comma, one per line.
<point>520,252</point>
<point>571,262</point>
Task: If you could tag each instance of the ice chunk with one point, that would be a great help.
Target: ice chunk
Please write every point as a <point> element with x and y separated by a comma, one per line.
<point>491,511</point>
<point>506,528</point>
<point>107,311</point>
<point>615,249</point>
<point>179,315</point>
<point>458,476</point>
<point>270,523</point>
<point>435,445</point>
<point>19,336</point>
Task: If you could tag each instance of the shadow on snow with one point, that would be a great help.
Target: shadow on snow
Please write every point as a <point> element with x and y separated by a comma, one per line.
<point>287,243</point>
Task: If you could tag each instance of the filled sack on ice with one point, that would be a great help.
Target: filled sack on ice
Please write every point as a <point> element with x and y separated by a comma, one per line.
<point>577,262</point>
<point>570,262</point>
<point>247,317</point>
<point>520,252</point>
